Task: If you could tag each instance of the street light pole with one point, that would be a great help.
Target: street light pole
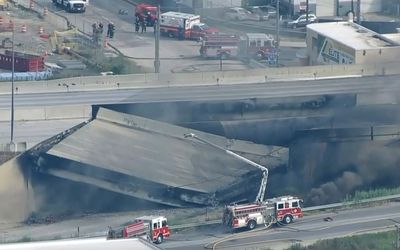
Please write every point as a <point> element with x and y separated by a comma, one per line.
<point>12,90</point>
<point>157,42</point>
<point>277,33</point>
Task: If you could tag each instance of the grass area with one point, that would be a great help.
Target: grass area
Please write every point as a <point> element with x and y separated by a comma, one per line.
<point>374,241</point>
<point>372,193</point>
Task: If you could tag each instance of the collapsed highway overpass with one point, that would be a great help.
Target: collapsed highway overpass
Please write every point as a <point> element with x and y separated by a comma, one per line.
<point>152,161</point>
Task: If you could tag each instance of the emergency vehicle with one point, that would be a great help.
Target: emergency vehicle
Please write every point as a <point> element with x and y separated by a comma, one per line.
<point>184,26</point>
<point>146,12</point>
<point>72,5</point>
<point>283,209</point>
<point>251,45</point>
<point>154,227</point>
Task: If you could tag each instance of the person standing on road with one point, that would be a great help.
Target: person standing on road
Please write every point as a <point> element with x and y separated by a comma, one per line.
<point>110,30</point>
<point>137,23</point>
<point>101,28</point>
<point>143,25</point>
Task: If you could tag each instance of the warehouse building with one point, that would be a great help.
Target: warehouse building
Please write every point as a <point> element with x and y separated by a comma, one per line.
<point>349,43</point>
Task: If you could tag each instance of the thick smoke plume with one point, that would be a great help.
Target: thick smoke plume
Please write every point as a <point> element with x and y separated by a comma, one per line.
<point>360,165</point>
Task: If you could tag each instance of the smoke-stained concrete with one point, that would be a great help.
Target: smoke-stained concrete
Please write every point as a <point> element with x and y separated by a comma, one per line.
<point>16,193</point>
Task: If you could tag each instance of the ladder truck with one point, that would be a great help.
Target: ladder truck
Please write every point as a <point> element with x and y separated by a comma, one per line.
<point>267,212</point>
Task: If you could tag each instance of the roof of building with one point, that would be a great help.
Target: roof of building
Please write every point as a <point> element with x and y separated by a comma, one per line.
<point>179,15</point>
<point>87,244</point>
<point>353,35</point>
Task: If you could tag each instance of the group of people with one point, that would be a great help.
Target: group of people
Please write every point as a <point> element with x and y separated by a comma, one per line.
<point>98,29</point>
<point>141,22</point>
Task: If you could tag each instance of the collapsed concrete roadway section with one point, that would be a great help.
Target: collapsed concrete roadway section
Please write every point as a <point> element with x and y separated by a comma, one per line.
<point>152,161</point>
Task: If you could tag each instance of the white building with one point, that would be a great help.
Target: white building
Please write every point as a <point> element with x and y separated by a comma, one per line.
<point>349,43</point>
<point>342,7</point>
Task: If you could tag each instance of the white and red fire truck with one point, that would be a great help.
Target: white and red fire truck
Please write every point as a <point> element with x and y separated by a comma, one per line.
<point>154,227</point>
<point>283,209</point>
<point>251,45</point>
<point>184,26</point>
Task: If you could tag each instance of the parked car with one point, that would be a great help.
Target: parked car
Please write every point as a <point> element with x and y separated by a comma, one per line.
<point>240,14</point>
<point>264,12</point>
<point>301,20</point>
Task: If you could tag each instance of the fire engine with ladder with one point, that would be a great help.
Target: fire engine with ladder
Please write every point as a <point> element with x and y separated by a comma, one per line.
<point>282,209</point>
<point>155,228</point>
<point>252,45</point>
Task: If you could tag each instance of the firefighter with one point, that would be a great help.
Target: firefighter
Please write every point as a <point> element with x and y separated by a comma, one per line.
<point>143,25</point>
<point>181,31</point>
<point>101,28</point>
<point>110,30</point>
<point>137,23</point>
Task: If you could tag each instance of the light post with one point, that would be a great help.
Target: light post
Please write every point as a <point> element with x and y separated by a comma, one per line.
<point>12,145</point>
<point>157,42</point>
<point>277,32</point>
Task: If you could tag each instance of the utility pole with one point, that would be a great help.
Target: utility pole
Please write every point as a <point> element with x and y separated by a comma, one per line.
<point>307,10</point>
<point>398,8</point>
<point>157,42</point>
<point>397,237</point>
<point>358,11</point>
<point>277,33</point>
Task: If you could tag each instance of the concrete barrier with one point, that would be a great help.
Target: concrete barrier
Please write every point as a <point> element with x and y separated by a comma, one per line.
<point>198,78</point>
<point>48,113</point>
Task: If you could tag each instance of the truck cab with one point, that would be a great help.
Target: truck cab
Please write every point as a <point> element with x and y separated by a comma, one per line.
<point>146,12</point>
<point>199,30</point>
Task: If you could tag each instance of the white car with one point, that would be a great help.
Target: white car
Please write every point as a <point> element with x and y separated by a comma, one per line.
<point>301,20</point>
<point>240,14</point>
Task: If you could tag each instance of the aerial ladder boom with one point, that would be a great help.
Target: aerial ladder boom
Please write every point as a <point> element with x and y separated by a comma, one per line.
<point>263,185</point>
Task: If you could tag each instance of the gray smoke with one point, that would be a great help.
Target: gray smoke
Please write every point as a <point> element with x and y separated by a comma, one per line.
<point>360,166</point>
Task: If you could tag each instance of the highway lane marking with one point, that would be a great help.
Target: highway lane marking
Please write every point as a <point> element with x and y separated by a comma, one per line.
<point>259,232</point>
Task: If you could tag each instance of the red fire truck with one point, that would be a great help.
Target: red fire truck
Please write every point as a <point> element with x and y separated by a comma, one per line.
<point>252,45</point>
<point>184,26</point>
<point>155,227</point>
<point>146,12</point>
<point>283,209</point>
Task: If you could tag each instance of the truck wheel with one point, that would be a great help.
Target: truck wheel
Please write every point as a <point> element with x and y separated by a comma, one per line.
<point>160,239</point>
<point>287,219</point>
<point>251,224</point>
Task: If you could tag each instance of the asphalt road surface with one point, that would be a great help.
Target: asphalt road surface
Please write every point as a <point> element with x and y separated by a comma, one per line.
<point>306,230</point>
<point>33,132</point>
<point>388,84</point>
<point>174,54</point>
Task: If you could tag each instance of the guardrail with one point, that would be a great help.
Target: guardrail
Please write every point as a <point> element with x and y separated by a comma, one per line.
<point>306,209</point>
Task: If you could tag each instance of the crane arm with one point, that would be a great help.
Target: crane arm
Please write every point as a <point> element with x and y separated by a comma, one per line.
<point>263,185</point>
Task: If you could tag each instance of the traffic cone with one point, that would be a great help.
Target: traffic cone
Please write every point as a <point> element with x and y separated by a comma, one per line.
<point>41,30</point>
<point>46,11</point>
<point>31,4</point>
<point>23,28</point>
